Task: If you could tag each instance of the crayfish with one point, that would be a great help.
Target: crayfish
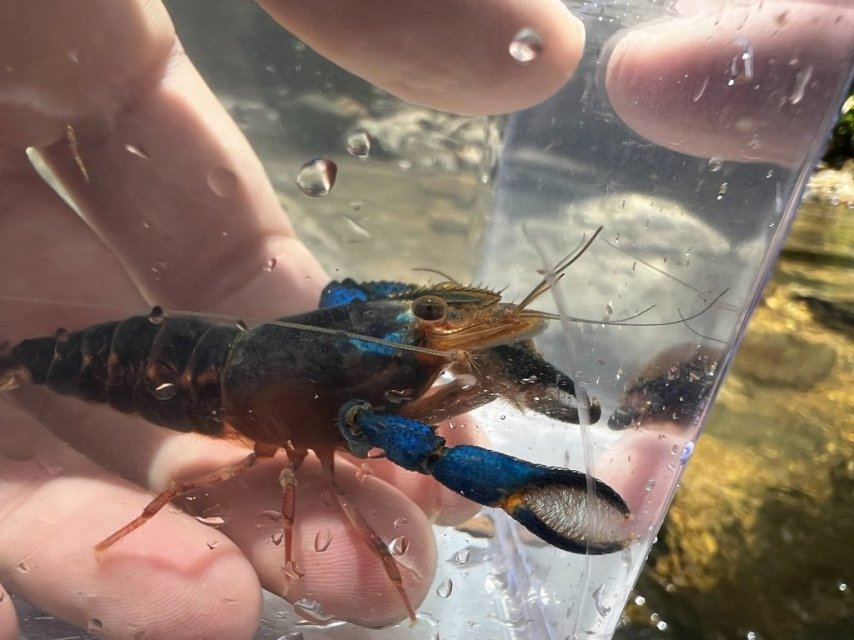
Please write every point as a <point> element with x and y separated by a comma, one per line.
<point>324,381</point>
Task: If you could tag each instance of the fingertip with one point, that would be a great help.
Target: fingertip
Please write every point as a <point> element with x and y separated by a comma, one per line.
<point>448,55</point>
<point>641,467</point>
<point>743,84</point>
<point>8,617</point>
<point>342,577</point>
<point>166,573</point>
<point>342,572</point>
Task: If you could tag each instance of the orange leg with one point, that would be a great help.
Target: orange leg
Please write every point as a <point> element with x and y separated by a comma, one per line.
<point>369,537</point>
<point>288,481</point>
<point>174,490</point>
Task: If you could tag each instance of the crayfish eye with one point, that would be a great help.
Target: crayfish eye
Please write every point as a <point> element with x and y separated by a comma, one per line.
<point>430,308</point>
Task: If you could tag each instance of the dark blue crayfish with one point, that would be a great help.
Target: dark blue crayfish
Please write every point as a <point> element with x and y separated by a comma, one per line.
<point>355,375</point>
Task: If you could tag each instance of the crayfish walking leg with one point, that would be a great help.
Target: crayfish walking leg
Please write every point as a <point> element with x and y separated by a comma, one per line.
<point>176,489</point>
<point>550,502</point>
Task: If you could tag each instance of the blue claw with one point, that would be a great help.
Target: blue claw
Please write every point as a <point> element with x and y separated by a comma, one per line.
<point>550,502</point>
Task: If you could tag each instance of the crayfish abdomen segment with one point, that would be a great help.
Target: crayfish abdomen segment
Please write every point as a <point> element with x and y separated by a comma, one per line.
<point>165,369</point>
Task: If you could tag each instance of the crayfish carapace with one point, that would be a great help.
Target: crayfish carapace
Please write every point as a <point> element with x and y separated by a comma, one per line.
<point>288,383</point>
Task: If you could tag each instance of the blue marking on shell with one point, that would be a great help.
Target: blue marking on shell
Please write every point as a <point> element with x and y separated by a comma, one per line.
<point>346,291</point>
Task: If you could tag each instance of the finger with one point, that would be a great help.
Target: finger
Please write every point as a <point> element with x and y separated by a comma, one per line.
<point>8,617</point>
<point>195,221</point>
<point>56,272</point>
<point>743,84</point>
<point>54,507</point>
<point>446,54</point>
<point>80,67</point>
<point>439,504</point>
<point>343,577</point>
<point>642,467</point>
<point>152,159</point>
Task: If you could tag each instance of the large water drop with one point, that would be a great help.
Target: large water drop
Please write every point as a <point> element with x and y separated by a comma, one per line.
<point>526,46</point>
<point>317,177</point>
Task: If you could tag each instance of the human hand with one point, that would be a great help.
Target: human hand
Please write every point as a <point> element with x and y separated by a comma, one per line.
<point>169,175</point>
<point>174,190</point>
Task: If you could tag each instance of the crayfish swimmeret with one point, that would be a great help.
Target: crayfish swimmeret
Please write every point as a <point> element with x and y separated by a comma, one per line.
<point>364,361</point>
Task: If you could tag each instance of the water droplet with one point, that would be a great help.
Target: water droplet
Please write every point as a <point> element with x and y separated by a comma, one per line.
<point>356,228</point>
<point>364,472</point>
<point>271,264</point>
<point>802,78</point>
<point>322,540</point>
<point>687,451</point>
<point>317,177</point>
<point>222,181</point>
<point>609,309</point>
<point>291,570</point>
<point>526,46</point>
<point>715,164</point>
<point>165,391</point>
<point>213,544</point>
<point>741,66</point>
<point>137,151</point>
<point>842,586</point>
<point>158,267</point>
<point>722,190</point>
<point>649,486</point>
<point>462,557</point>
<point>445,589</point>
<point>639,601</point>
<point>277,538</point>
<point>359,144</point>
<point>400,522</point>
<point>599,602</point>
<point>156,315</point>
<point>398,546</point>
<point>751,635</point>
<point>398,396</point>
<point>661,625</point>
<point>701,89</point>
<point>312,610</point>
<point>95,625</point>
<point>211,521</point>
<point>23,567</point>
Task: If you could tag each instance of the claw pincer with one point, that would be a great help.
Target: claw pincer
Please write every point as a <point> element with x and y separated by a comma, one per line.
<point>551,502</point>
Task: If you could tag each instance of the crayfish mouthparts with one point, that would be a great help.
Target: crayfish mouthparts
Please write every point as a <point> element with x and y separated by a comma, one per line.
<point>551,502</point>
